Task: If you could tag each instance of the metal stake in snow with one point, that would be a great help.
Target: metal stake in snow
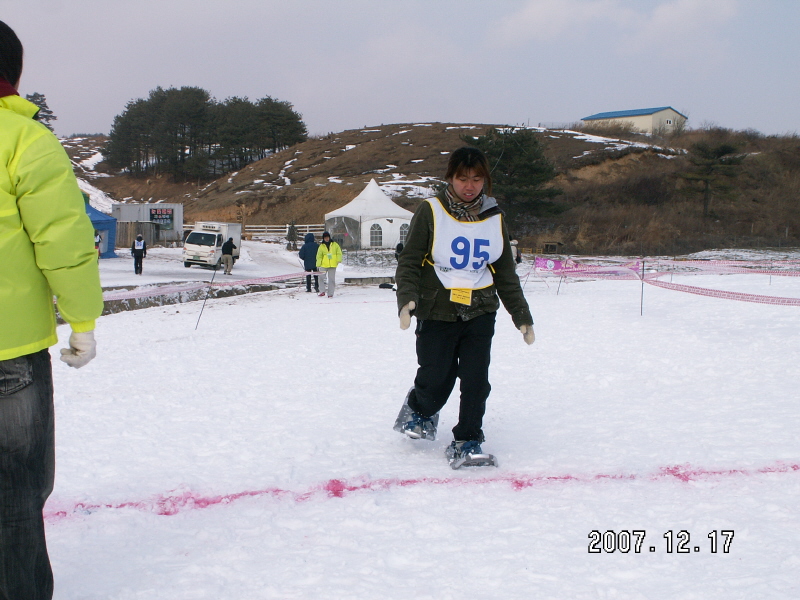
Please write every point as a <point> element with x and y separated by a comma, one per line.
<point>641,300</point>
<point>529,273</point>
<point>206,298</point>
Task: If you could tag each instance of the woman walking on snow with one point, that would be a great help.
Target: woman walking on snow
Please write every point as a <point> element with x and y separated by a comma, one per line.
<point>456,262</point>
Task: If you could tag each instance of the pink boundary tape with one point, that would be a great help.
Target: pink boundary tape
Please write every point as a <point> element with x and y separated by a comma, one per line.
<point>777,300</point>
<point>182,501</point>
<point>628,270</point>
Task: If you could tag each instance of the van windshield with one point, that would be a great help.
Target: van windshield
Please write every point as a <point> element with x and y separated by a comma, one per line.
<point>201,239</point>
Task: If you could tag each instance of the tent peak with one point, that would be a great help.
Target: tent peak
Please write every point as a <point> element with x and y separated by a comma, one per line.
<point>372,202</point>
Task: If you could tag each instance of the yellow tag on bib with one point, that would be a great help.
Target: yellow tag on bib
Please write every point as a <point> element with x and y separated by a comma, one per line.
<point>461,296</point>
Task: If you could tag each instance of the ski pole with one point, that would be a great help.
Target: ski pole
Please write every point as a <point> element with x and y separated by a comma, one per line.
<point>208,291</point>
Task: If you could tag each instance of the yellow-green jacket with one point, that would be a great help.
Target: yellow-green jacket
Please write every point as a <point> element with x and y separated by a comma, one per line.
<point>329,257</point>
<point>46,238</point>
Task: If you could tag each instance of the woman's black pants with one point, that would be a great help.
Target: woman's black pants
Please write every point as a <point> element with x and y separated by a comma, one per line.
<point>449,350</point>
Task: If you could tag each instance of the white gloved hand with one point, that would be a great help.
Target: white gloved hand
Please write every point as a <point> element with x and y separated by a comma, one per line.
<point>405,314</point>
<point>527,334</point>
<point>82,349</point>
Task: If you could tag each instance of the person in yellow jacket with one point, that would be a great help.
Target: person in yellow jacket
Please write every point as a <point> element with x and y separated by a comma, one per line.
<point>329,255</point>
<point>47,249</point>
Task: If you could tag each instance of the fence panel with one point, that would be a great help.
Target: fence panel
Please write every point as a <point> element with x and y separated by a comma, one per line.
<point>263,231</point>
<point>128,230</point>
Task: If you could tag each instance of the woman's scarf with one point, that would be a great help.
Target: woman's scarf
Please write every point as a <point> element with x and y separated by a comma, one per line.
<point>463,211</point>
<point>6,89</point>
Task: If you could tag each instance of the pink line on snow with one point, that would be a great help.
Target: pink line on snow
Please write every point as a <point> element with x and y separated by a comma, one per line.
<point>177,502</point>
<point>723,294</point>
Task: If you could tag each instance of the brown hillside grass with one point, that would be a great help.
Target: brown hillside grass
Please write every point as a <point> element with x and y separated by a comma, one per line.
<point>615,199</point>
<point>640,204</point>
<point>351,157</point>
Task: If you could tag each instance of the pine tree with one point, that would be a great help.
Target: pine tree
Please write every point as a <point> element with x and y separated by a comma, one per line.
<point>189,135</point>
<point>45,115</point>
<point>520,170</point>
<point>712,164</point>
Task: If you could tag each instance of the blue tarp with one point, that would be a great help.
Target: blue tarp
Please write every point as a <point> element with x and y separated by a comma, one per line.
<point>106,225</point>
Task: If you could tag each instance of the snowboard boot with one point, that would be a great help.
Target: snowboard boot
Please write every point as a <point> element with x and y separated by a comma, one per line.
<point>468,454</point>
<point>415,425</point>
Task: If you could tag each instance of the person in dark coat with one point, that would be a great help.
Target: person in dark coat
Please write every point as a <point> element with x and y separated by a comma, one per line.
<point>227,255</point>
<point>455,270</point>
<point>308,254</point>
<point>139,252</point>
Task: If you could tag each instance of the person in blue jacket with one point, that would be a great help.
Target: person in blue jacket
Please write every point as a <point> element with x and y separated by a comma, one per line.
<point>308,254</point>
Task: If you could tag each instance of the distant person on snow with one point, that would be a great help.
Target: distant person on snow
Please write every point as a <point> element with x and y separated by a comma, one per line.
<point>308,254</point>
<point>227,255</point>
<point>329,255</point>
<point>47,249</point>
<point>457,260</point>
<point>139,252</point>
<point>517,253</point>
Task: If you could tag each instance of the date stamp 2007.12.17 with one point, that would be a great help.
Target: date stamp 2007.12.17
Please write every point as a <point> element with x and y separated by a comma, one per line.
<point>635,541</point>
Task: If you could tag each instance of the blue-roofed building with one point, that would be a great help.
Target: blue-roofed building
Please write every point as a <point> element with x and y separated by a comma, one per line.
<point>647,120</point>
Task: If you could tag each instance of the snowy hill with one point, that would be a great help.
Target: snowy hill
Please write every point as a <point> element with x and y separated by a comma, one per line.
<point>620,196</point>
<point>309,179</point>
<point>85,154</point>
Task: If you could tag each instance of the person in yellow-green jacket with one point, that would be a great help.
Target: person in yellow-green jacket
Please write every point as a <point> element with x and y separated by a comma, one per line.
<point>47,249</point>
<point>329,255</point>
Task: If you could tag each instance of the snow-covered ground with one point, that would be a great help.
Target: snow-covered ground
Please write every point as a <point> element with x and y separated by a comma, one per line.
<point>254,457</point>
<point>257,260</point>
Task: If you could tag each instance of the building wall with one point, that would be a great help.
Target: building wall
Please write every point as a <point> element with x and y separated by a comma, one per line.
<point>128,230</point>
<point>660,119</point>
<point>646,123</point>
<point>141,212</point>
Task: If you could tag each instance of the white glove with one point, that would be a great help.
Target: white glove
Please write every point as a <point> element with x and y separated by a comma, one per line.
<point>82,349</point>
<point>527,334</point>
<point>405,314</point>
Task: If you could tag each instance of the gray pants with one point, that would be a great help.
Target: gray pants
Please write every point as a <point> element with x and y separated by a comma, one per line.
<point>27,468</point>
<point>329,281</point>
<point>227,260</point>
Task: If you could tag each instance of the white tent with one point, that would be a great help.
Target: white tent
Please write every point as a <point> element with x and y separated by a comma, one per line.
<point>370,220</point>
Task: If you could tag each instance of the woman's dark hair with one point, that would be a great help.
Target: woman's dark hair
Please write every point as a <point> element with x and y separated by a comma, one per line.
<point>10,55</point>
<point>469,159</point>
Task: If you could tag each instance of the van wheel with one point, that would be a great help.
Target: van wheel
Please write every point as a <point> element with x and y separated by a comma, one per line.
<point>187,265</point>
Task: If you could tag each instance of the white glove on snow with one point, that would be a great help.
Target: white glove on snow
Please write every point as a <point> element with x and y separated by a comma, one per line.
<point>527,334</point>
<point>405,314</point>
<point>82,349</point>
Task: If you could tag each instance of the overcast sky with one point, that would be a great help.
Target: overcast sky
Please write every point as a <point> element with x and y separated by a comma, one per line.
<point>346,64</point>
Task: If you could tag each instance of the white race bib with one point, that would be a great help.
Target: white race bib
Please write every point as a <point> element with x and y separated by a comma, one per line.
<point>462,250</point>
